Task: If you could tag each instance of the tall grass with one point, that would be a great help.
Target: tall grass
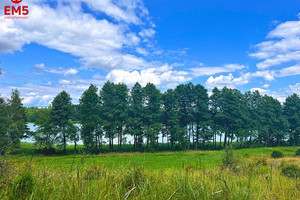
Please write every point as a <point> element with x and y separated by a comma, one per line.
<point>248,178</point>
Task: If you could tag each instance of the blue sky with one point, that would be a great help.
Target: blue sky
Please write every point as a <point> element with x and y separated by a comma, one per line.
<point>66,45</point>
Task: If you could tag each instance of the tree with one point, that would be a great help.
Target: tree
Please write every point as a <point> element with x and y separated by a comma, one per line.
<point>214,106</point>
<point>253,100</point>
<point>73,133</point>
<point>12,121</point>
<point>59,117</point>
<point>120,111</point>
<point>152,111</point>
<point>230,115</point>
<point>185,98</point>
<point>17,117</point>
<point>90,119</point>
<point>201,112</point>
<point>135,116</point>
<point>44,135</point>
<point>4,124</point>
<point>169,118</point>
<point>291,110</point>
<point>272,122</point>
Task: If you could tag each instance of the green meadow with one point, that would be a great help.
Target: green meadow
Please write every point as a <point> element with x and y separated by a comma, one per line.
<point>151,161</point>
<point>250,174</point>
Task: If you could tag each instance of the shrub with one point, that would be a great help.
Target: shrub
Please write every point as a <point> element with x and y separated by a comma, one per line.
<point>276,154</point>
<point>291,171</point>
<point>229,160</point>
<point>298,152</point>
<point>22,187</point>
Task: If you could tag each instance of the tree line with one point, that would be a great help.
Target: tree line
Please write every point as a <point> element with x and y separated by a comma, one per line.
<point>186,117</point>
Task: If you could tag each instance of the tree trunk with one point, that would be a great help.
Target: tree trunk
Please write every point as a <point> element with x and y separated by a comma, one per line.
<point>189,133</point>
<point>193,135</point>
<point>225,139</point>
<point>162,142</point>
<point>197,135</point>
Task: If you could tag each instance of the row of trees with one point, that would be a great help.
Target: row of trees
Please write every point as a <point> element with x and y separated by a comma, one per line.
<point>184,117</point>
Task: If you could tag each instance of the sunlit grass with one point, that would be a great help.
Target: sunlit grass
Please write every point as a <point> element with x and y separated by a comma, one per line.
<point>161,175</point>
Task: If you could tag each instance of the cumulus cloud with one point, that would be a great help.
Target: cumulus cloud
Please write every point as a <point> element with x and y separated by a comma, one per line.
<point>100,43</point>
<point>282,46</point>
<point>222,81</point>
<point>163,77</point>
<point>232,82</point>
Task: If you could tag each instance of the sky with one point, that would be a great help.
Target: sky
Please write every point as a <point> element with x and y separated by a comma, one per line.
<point>68,45</point>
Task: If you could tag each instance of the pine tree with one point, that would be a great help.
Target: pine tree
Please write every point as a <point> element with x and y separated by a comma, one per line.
<point>292,112</point>
<point>59,117</point>
<point>201,113</point>
<point>135,116</point>
<point>152,111</point>
<point>90,119</point>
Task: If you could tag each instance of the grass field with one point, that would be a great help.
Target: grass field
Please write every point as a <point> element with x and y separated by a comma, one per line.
<point>153,161</point>
<point>163,175</point>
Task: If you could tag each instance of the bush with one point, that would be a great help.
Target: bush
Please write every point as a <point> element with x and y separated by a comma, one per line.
<point>298,152</point>
<point>22,187</point>
<point>291,171</point>
<point>228,160</point>
<point>276,154</point>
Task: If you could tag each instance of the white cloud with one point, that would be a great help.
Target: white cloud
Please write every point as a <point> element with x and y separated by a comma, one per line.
<point>282,46</point>
<point>64,82</point>
<point>289,71</point>
<point>267,75</point>
<point>65,72</point>
<point>71,71</point>
<point>222,81</point>
<point>260,90</point>
<point>265,85</point>
<point>98,43</point>
<point>293,89</point>
<point>142,51</point>
<point>205,71</point>
<point>163,77</point>
<point>147,33</point>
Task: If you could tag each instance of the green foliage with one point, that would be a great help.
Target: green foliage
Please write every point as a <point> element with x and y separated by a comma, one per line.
<point>89,112</point>
<point>12,122</point>
<point>298,152</point>
<point>185,118</point>
<point>229,159</point>
<point>33,113</point>
<point>276,154</point>
<point>114,102</point>
<point>135,117</point>
<point>23,186</point>
<point>291,110</point>
<point>291,171</point>
<point>60,116</point>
